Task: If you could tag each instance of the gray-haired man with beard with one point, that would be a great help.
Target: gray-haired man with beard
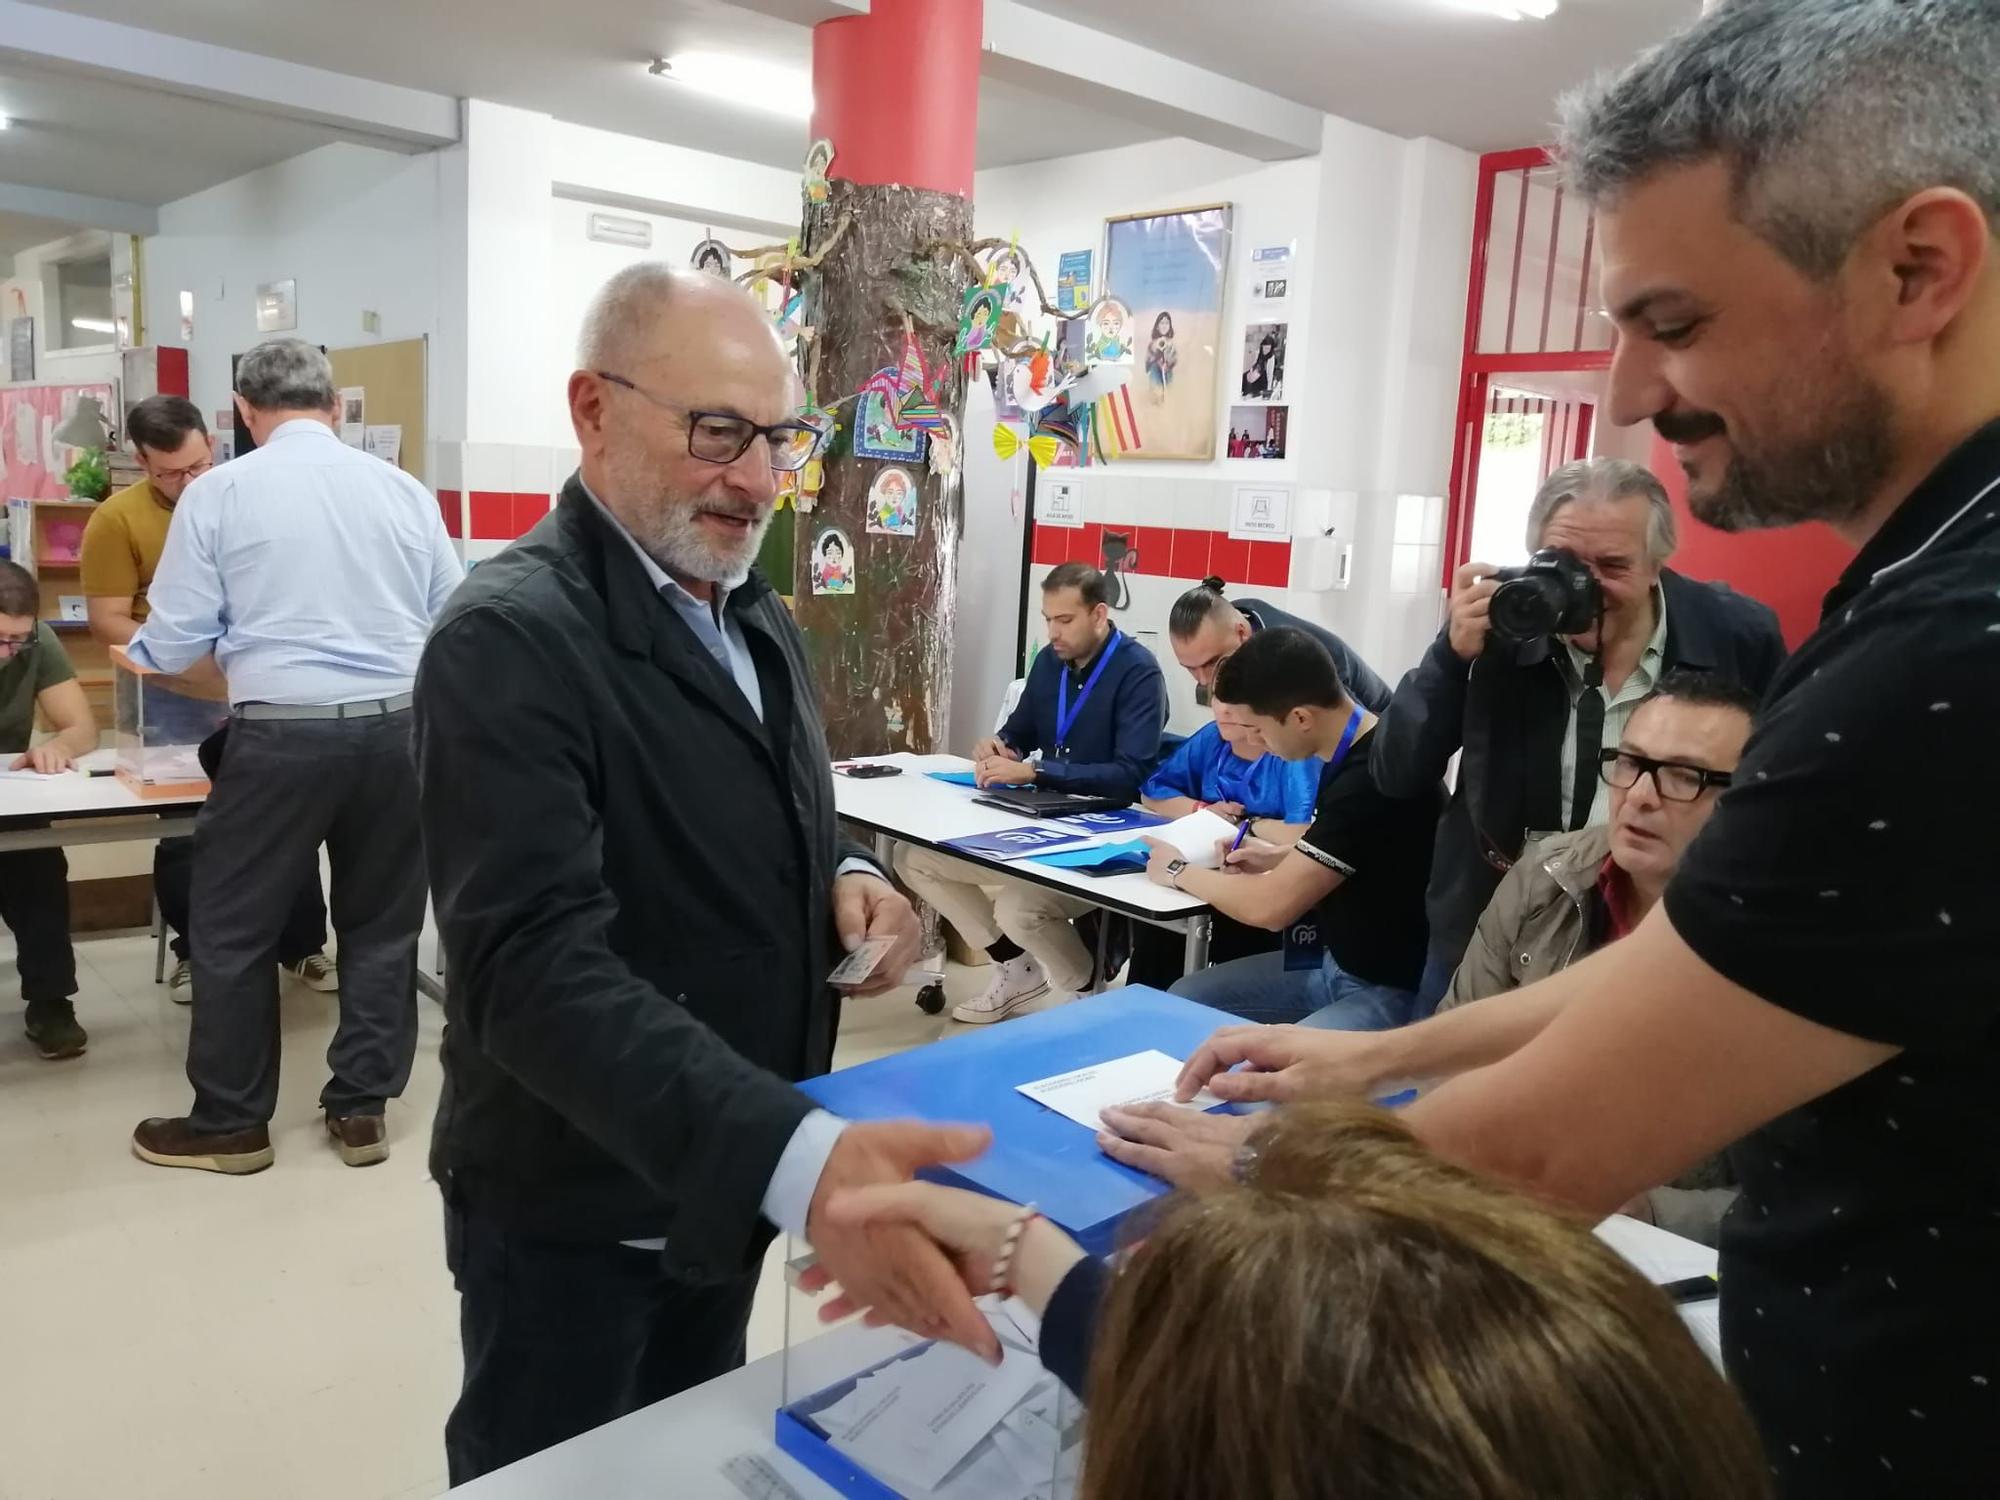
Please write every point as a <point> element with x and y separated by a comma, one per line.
<point>628,812</point>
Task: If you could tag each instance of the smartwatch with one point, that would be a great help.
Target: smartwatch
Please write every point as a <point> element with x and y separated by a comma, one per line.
<point>1174,868</point>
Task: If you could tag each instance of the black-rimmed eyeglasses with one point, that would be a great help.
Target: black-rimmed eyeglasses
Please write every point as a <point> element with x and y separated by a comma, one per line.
<point>1677,781</point>
<point>9,646</point>
<point>717,437</point>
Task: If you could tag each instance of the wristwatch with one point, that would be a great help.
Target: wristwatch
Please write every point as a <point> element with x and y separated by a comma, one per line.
<point>1174,868</point>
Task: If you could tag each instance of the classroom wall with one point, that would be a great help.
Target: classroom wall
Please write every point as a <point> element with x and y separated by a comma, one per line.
<point>1381,232</point>
<point>358,229</point>
<point>22,294</point>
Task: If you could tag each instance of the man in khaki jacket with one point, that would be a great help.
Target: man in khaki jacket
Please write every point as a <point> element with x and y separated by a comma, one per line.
<point>1569,895</point>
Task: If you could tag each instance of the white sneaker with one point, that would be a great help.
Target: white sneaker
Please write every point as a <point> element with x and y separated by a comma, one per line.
<point>1015,984</point>
<point>180,984</point>
<point>316,972</point>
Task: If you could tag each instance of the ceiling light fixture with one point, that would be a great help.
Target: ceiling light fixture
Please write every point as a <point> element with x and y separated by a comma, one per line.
<point>1518,10</point>
<point>5,122</point>
<point>748,81</point>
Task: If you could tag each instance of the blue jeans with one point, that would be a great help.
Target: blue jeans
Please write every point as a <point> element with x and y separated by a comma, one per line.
<point>1263,990</point>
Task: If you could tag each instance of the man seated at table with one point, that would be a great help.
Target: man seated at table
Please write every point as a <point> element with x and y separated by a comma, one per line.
<point>1361,869</point>
<point>1571,894</point>
<point>1232,772</point>
<point>34,883</point>
<point>1093,707</point>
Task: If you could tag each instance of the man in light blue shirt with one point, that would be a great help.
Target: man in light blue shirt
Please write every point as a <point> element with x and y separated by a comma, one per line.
<point>311,572</point>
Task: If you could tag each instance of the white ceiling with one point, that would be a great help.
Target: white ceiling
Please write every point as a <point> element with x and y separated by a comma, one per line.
<point>20,232</point>
<point>1410,67</point>
<point>111,140</point>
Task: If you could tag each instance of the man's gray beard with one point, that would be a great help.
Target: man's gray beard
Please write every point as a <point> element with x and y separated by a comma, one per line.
<point>666,528</point>
<point>1832,476</point>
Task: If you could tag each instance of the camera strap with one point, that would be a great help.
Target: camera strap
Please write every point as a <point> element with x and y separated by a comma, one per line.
<point>1589,739</point>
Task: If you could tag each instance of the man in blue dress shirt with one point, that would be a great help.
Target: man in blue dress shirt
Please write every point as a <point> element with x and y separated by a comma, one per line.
<point>312,572</point>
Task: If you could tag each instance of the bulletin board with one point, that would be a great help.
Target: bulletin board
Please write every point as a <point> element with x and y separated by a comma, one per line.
<point>394,377</point>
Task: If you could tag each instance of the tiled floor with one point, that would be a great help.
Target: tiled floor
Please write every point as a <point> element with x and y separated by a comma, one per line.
<point>286,1336</point>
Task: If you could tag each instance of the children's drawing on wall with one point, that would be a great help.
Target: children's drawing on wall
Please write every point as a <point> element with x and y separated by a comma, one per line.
<point>832,563</point>
<point>892,504</point>
<point>1110,337</point>
<point>1166,272</point>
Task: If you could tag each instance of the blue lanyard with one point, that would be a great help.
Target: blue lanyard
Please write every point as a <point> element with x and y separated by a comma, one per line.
<point>1346,740</point>
<point>1066,717</point>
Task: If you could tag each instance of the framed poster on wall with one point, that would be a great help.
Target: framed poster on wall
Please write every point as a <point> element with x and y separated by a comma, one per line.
<point>1167,269</point>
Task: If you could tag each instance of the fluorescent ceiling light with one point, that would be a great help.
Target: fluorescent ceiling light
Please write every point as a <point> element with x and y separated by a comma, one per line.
<point>748,81</point>
<point>93,325</point>
<point>5,122</point>
<point>1517,10</point>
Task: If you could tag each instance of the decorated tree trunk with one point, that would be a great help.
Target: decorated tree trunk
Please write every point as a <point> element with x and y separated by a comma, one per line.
<point>882,651</point>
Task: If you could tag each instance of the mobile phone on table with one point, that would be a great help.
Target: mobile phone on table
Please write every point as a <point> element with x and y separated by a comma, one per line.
<point>867,773</point>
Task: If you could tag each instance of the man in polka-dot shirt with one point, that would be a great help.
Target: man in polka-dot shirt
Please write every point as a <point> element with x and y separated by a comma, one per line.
<point>1798,202</point>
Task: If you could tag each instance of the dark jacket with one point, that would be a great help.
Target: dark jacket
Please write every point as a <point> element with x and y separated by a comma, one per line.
<point>632,878</point>
<point>1509,711</point>
<point>1363,685</point>
<point>1115,743</point>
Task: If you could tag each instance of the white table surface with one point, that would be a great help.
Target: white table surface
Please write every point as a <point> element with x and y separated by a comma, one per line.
<point>678,1447</point>
<point>918,810</point>
<point>74,795</point>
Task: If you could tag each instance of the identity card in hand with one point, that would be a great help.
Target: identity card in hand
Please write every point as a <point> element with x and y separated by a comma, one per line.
<point>1142,1078</point>
<point>863,961</point>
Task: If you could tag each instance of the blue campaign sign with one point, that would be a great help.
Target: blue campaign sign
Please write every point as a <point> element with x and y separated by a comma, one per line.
<point>1014,843</point>
<point>1120,820</point>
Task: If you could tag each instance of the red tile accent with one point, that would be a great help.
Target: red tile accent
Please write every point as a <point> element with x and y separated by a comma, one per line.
<point>1191,554</point>
<point>452,505</point>
<point>1156,550</point>
<point>1051,545</point>
<point>1086,544</point>
<point>528,512</point>
<point>491,515</point>
<point>1229,558</point>
<point>1271,564</point>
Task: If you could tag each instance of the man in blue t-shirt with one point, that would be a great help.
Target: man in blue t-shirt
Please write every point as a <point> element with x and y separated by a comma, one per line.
<point>1089,721</point>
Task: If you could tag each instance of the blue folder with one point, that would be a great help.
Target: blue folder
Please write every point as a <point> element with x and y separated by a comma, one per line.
<point>1038,1156</point>
<point>956,778</point>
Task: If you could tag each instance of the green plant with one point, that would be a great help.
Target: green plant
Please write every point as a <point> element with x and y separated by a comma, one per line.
<point>89,478</point>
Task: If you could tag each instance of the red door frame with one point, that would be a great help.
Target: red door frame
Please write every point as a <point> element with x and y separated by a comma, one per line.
<point>1477,370</point>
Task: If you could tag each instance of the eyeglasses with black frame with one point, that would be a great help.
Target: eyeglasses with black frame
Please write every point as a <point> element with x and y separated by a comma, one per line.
<point>17,646</point>
<point>1677,781</point>
<point>719,437</point>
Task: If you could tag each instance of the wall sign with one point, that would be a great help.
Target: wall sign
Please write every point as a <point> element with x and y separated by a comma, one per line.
<point>1261,513</point>
<point>1059,502</point>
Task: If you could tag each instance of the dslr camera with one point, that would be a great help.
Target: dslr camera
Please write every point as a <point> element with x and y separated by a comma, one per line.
<point>1552,593</point>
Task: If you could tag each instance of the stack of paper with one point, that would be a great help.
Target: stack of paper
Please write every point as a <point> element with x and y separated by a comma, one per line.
<point>943,1425</point>
<point>1142,1078</point>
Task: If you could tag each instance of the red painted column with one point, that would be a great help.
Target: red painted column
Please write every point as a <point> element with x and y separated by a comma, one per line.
<point>897,92</point>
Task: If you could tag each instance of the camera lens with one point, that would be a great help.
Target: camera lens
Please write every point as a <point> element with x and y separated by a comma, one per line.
<point>1528,608</point>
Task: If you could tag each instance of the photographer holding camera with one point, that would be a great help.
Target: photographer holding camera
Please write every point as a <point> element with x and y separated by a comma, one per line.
<point>1538,668</point>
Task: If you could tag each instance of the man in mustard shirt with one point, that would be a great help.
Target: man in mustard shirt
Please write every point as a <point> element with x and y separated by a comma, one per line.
<point>121,551</point>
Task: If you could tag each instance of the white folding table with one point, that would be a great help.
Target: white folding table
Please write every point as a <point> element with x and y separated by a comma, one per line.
<point>914,809</point>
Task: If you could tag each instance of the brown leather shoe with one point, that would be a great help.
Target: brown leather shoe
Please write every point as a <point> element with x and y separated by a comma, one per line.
<point>361,1140</point>
<point>173,1143</point>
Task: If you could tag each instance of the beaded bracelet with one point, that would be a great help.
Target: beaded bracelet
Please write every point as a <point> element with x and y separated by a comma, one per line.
<point>1003,1263</point>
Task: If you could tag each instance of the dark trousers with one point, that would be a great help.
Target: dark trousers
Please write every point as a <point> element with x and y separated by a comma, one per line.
<point>561,1338</point>
<point>34,903</point>
<point>173,884</point>
<point>285,788</point>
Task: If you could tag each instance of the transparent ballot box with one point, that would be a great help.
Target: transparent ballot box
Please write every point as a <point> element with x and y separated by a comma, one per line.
<point>880,1414</point>
<point>158,729</point>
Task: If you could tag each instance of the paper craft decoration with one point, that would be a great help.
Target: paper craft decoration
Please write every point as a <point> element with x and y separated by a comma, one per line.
<point>892,504</point>
<point>819,161</point>
<point>1110,336</point>
<point>832,562</point>
<point>1168,271</point>
<point>1114,426</point>
<point>1007,442</point>
<point>976,320</point>
<point>876,433</point>
<point>944,449</point>
<point>712,256</point>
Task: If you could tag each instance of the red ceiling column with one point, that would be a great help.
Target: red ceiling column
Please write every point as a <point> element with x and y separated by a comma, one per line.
<point>897,92</point>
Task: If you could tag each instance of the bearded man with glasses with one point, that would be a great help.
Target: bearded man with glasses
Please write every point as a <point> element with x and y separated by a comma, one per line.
<point>628,812</point>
